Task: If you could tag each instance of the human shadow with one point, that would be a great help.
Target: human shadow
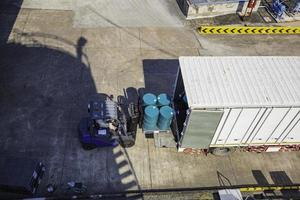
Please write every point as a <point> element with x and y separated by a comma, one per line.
<point>44,94</point>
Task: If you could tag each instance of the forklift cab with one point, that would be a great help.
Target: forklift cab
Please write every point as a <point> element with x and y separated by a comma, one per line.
<point>107,125</point>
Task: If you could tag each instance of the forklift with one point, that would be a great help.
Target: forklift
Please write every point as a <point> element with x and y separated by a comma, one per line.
<point>109,123</point>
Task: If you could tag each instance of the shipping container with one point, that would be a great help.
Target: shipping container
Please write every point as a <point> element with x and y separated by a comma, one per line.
<point>247,102</point>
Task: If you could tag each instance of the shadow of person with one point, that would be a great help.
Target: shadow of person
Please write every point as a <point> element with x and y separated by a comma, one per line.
<point>44,93</point>
<point>81,42</point>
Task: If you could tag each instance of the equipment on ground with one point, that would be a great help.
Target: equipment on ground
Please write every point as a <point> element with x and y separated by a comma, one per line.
<point>279,9</point>
<point>108,124</point>
<point>250,7</point>
<point>51,188</point>
<point>297,8</point>
<point>20,175</point>
<point>77,187</point>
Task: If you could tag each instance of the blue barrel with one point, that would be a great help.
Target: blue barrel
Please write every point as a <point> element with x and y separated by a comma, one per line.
<point>165,117</point>
<point>163,100</point>
<point>150,118</point>
<point>149,99</point>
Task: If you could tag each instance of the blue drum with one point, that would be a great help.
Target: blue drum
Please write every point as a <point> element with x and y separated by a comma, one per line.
<point>149,99</point>
<point>166,114</point>
<point>150,118</point>
<point>163,100</point>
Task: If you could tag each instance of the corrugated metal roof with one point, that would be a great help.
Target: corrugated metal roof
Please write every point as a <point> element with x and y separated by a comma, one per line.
<point>241,81</point>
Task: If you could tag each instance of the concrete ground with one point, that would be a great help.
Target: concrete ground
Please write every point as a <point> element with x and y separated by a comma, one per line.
<point>49,70</point>
<point>111,13</point>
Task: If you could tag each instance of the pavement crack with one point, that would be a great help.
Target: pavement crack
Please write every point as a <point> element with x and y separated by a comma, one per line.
<point>149,161</point>
<point>233,172</point>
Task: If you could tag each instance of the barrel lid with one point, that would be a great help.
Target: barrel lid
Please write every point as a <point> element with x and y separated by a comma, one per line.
<point>163,99</point>
<point>151,111</point>
<point>149,99</point>
<point>166,111</point>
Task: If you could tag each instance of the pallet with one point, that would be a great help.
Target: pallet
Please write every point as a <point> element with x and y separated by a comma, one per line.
<point>156,131</point>
<point>150,133</point>
<point>164,140</point>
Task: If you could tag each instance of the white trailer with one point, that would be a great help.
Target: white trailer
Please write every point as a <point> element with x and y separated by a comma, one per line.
<point>247,102</point>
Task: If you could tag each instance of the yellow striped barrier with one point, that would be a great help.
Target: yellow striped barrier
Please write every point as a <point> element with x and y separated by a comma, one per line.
<point>247,30</point>
<point>260,189</point>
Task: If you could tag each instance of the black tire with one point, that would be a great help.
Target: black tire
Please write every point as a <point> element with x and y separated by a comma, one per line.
<point>88,147</point>
<point>128,142</point>
<point>222,151</point>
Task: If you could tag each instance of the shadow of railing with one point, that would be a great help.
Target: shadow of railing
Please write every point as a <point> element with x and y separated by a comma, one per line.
<point>223,180</point>
<point>281,181</point>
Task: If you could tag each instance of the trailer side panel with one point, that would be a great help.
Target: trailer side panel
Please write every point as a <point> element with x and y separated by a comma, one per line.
<point>258,126</point>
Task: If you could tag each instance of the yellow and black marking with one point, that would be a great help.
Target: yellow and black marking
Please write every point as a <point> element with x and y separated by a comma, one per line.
<point>247,30</point>
<point>260,189</point>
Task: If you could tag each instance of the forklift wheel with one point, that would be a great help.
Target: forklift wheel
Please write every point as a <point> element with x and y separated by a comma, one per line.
<point>128,143</point>
<point>222,151</point>
<point>88,147</point>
